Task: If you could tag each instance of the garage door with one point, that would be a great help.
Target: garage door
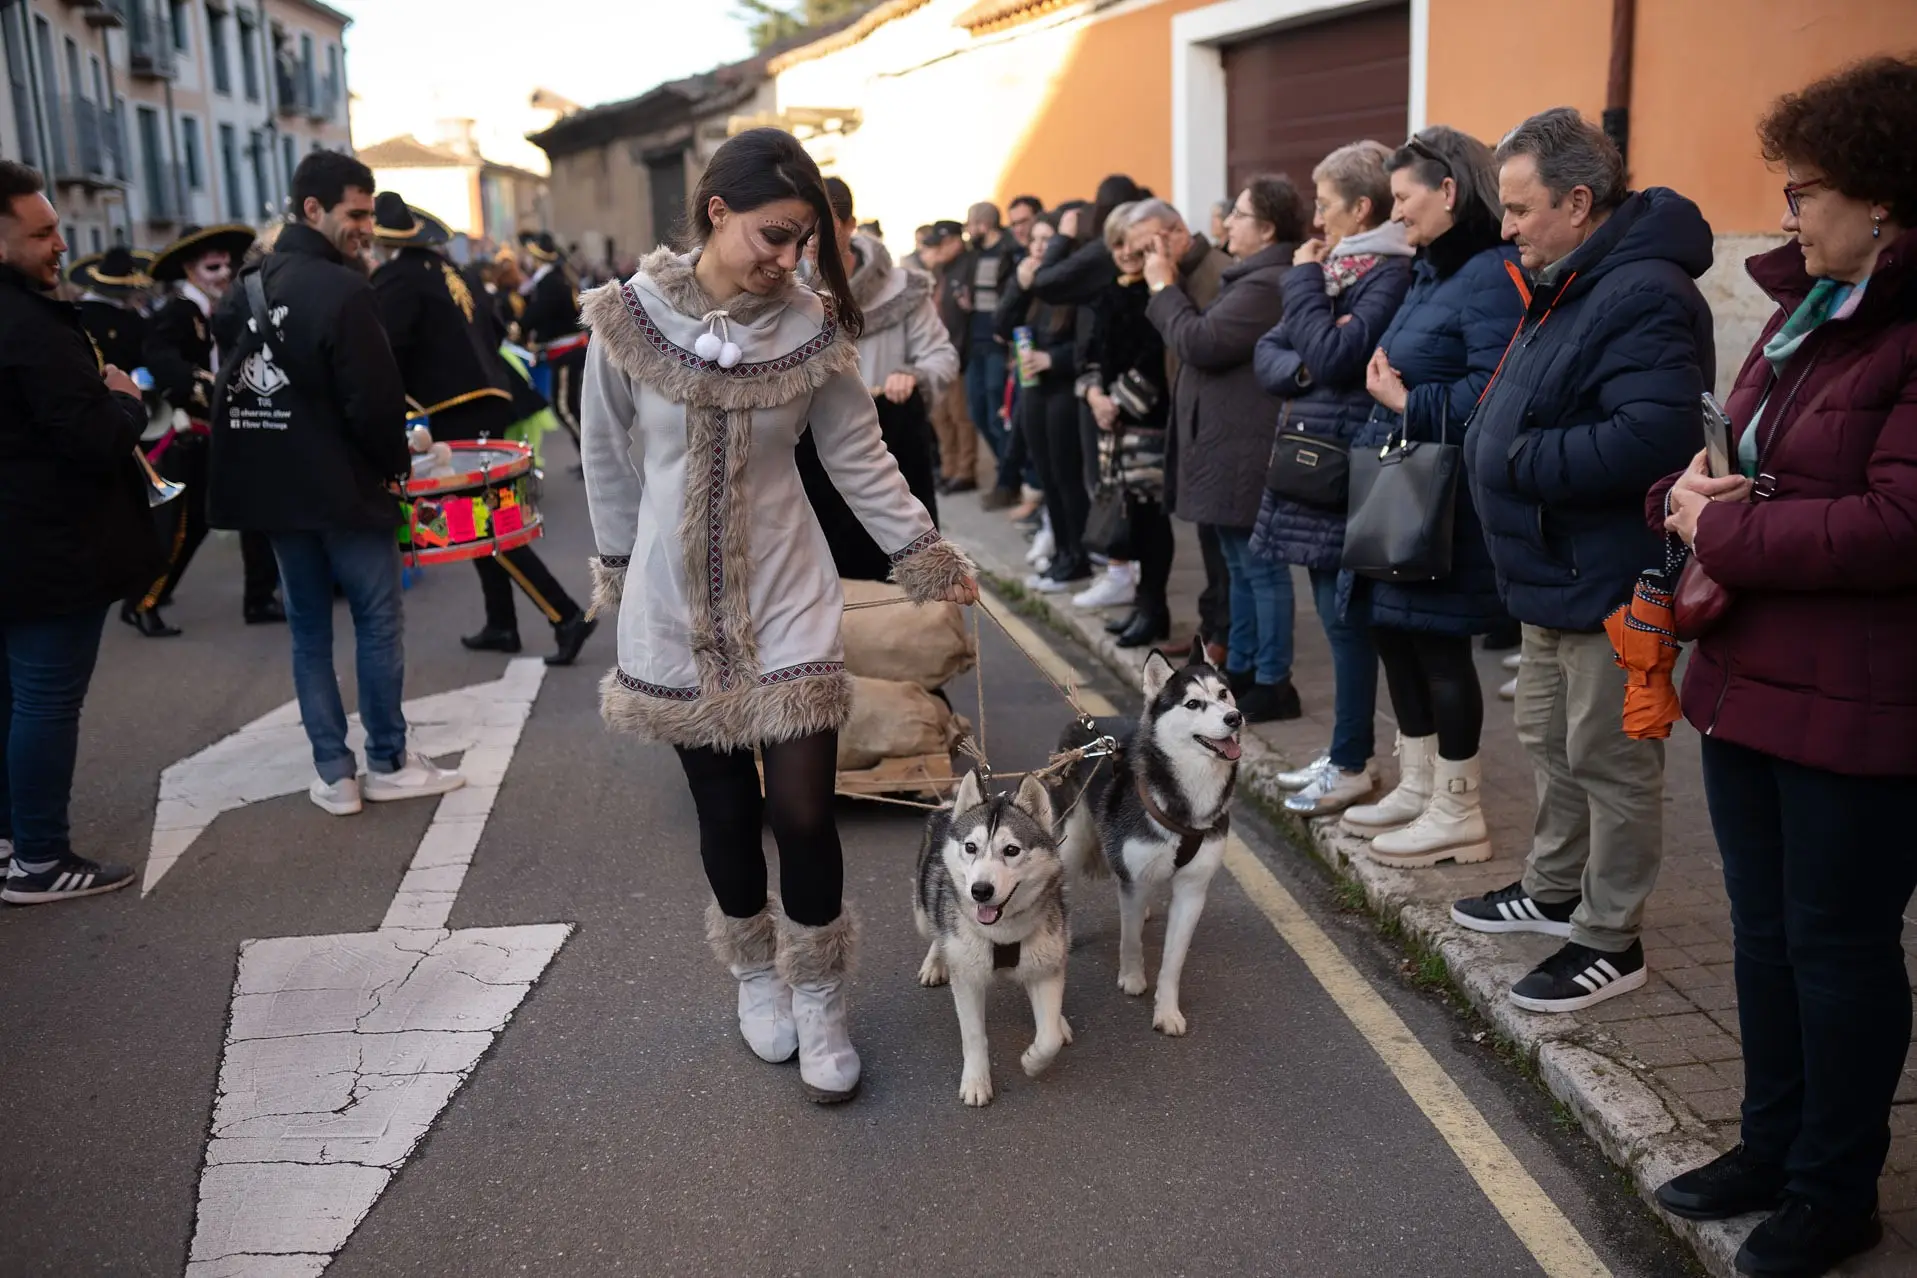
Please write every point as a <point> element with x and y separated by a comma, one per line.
<point>1296,94</point>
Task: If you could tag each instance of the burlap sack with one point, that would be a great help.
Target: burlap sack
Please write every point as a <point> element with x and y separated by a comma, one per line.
<point>926,645</point>
<point>892,719</point>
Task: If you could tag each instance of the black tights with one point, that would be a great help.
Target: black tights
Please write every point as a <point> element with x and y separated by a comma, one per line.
<point>1434,688</point>
<point>800,777</point>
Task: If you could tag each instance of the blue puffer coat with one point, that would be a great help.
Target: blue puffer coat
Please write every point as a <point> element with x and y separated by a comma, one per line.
<point>1593,408</point>
<point>1445,343</point>
<point>1317,366</point>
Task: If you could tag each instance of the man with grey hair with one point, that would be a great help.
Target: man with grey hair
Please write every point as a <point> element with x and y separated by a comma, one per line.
<point>1585,413</point>
<point>1155,226</point>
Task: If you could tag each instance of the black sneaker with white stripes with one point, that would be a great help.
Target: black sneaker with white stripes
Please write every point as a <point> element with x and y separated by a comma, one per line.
<point>63,880</point>
<point>1511,909</point>
<point>1578,976</point>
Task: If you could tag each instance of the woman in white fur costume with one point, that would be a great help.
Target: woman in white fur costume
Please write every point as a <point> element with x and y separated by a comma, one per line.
<point>704,369</point>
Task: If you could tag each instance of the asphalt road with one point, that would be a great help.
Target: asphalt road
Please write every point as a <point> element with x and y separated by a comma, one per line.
<point>618,1125</point>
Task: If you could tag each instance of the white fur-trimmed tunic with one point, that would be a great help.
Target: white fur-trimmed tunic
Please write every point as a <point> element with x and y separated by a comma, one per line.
<point>729,606</point>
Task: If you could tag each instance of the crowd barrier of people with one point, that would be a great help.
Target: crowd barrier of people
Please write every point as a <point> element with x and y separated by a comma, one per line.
<point>1460,386</point>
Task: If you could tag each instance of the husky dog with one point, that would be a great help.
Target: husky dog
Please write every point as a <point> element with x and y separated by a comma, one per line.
<point>991,898</point>
<point>1156,813</point>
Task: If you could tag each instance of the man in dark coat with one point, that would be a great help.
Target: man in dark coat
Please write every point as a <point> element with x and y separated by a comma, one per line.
<point>180,356</point>
<point>73,517</point>
<point>550,324</point>
<point>309,443</point>
<point>440,340</point>
<point>108,283</point>
<point>1586,413</point>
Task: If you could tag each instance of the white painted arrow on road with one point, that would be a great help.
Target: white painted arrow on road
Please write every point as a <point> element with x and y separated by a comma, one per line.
<point>342,1050</point>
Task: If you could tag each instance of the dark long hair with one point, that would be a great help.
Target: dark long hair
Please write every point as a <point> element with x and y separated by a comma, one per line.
<point>762,165</point>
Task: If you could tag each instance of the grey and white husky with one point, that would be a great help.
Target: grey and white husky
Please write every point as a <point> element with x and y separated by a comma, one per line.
<point>991,899</point>
<point>1156,813</point>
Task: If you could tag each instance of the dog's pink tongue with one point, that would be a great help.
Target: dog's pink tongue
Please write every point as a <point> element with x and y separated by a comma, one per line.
<point>988,914</point>
<point>1230,748</point>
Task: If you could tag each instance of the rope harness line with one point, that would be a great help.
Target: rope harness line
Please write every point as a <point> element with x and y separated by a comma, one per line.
<point>972,744</point>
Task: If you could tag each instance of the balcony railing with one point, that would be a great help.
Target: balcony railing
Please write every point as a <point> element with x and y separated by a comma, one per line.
<point>291,88</point>
<point>90,150</point>
<point>165,193</point>
<point>326,106</point>
<point>149,40</point>
<point>105,13</point>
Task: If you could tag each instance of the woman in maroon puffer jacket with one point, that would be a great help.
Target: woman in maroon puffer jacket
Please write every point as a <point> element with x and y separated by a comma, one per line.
<point>1806,691</point>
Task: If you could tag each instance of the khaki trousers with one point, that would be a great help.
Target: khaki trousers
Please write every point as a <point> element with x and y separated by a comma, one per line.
<point>1600,824</point>
<point>958,438</point>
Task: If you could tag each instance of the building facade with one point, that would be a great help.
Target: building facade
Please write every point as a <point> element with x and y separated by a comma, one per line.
<point>451,180</point>
<point>151,115</point>
<point>925,106</point>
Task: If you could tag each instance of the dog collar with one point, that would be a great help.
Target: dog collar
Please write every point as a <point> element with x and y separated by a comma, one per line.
<point>1190,838</point>
<point>1004,956</point>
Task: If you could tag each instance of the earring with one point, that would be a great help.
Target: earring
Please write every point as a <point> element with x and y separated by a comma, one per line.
<point>1447,208</point>
<point>1876,227</point>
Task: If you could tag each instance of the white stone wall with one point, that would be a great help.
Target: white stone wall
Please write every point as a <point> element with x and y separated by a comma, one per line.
<point>1737,304</point>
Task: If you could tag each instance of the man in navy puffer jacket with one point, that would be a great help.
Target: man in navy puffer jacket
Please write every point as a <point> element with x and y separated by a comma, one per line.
<point>1597,398</point>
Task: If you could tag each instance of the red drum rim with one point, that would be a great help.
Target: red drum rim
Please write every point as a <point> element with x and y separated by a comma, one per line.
<point>480,548</point>
<point>518,463</point>
<point>565,345</point>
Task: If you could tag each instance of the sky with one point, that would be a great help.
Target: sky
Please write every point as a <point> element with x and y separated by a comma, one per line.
<point>412,62</point>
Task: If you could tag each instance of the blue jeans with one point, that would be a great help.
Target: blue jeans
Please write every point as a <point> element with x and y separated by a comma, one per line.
<point>45,667</point>
<point>985,394</point>
<point>366,565</point>
<point>1261,607</point>
<point>1354,674</point>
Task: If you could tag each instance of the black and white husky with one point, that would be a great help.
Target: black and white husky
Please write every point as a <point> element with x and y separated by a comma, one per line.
<point>1157,813</point>
<point>991,899</point>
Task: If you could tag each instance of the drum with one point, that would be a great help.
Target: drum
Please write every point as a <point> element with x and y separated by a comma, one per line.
<point>484,506</point>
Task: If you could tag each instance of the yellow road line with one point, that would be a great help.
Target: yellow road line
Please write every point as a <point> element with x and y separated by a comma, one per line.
<point>1553,1241</point>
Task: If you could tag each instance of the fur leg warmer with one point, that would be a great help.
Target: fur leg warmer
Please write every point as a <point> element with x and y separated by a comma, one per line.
<point>812,955</point>
<point>751,942</point>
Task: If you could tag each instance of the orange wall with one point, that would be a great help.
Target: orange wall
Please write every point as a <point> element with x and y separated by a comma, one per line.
<point>1704,71</point>
<point>1108,111</point>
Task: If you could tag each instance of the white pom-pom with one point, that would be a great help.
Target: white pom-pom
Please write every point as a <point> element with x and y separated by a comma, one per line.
<point>730,354</point>
<point>707,347</point>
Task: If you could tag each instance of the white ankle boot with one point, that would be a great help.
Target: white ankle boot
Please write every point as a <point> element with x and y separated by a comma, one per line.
<point>748,948</point>
<point>1450,829</point>
<point>1407,802</point>
<point>813,961</point>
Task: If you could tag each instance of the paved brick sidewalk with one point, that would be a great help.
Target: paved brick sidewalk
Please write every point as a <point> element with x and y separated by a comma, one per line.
<point>1655,1076</point>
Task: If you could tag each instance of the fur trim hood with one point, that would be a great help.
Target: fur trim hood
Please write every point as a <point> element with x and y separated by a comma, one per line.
<point>648,325</point>
<point>885,292</point>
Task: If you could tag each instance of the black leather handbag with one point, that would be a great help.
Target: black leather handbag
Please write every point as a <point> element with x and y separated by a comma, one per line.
<point>1108,527</point>
<point>1403,510</point>
<point>1308,469</point>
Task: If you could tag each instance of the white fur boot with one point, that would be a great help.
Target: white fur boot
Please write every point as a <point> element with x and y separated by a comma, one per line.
<point>1407,802</point>
<point>814,961</point>
<point>748,948</point>
<point>1451,829</point>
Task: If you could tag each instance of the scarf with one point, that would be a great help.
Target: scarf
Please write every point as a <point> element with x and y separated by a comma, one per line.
<point>1355,255</point>
<point>1827,300</point>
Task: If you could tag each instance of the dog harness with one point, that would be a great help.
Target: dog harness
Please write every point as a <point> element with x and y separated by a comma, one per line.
<point>1190,838</point>
<point>1004,956</point>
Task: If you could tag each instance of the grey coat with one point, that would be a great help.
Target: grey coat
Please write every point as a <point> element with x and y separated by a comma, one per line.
<point>1222,418</point>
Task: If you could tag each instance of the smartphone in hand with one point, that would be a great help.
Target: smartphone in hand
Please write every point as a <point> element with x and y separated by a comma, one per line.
<point>1717,438</point>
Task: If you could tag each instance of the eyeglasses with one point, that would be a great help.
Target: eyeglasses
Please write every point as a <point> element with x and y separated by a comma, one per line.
<point>1425,149</point>
<point>1790,194</point>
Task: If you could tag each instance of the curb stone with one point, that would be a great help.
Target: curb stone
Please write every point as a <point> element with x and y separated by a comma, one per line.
<point>1639,1125</point>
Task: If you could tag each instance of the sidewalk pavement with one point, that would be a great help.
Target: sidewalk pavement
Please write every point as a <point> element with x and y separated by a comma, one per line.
<point>1656,1076</point>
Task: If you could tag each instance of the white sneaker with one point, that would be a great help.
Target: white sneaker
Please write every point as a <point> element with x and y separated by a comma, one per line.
<point>1508,690</point>
<point>1334,790</point>
<point>340,798</point>
<point>416,778</point>
<point>1513,660</point>
<point>1041,584</point>
<point>1116,589</point>
<point>1304,776</point>
<point>1044,546</point>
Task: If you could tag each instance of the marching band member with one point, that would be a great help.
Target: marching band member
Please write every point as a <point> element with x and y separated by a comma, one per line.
<point>108,283</point>
<point>182,359</point>
<point>550,323</point>
<point>453,372</point>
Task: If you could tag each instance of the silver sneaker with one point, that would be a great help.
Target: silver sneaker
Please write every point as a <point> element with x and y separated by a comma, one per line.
<point>1302,777</point>
<point>417,777</point>
<point>1334,790</point>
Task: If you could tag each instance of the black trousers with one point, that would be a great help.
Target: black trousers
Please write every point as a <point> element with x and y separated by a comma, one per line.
<point>1819,867</point>
<point>796,801</point>
<point>1214,601</point>
<point>1434,688</point>
<point>262,570</point>
<point>524,568</point>
<point>907,429</point>
<point>568,379</point>
<point>1049,418</point>
<point>1153,544</point>
<point>181,523</point>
